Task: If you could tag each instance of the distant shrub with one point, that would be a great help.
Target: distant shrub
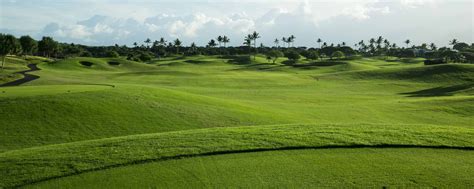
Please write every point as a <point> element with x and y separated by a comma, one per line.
<point>111,54</point>
<point>289,62</point>
<point>273,55</point>
<point>434,62</point>
<point>407,53</point>
<point>145,57</point>
<point>469,56</point>
<point>337,54</point>
<point>311,55</point>
<point>86,54</point>
<point>460,46</point>
<point>292,55</point>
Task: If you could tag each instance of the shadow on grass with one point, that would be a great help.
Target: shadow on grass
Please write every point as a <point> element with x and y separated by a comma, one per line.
<point>405,60</point>
<point>114,63</point>
<point>259,67</point>
<point>318,64</point>
<point>238,60</point>
<point>439,91</point>
<point>174,63</point>
<point>157,72</point>
<point>86,63</point>
<point>199,61</point>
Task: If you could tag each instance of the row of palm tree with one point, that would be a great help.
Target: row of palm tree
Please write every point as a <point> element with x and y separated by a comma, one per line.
<point>375,45</point>
<point>252,38</point>
<point>223,39</point>
<point>289,40</point>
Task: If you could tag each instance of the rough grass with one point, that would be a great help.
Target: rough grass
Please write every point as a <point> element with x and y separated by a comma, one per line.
<point>20,167</point>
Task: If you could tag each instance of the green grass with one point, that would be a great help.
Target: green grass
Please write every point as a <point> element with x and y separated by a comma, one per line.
<point>30,165</point>
<point>333,168</point>
<point>78,118</point>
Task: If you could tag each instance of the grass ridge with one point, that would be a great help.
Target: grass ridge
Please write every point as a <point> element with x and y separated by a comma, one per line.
<point>78,172</point>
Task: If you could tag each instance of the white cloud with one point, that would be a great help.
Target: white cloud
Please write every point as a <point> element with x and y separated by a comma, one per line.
<point>77,31</point>
<point>197,21</point>
<point>102,28</point>
<point>415,3</point>
<point>363,12</point>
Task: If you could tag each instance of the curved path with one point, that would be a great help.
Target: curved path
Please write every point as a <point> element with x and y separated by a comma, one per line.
<point>26,77</point>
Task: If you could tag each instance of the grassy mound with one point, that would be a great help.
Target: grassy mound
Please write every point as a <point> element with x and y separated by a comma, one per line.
<point>39,115</point>
<point>31,165</point>
<point>332,168</point>
<point>95,64</point>
<point>452,73</point>
<point>137,100</point>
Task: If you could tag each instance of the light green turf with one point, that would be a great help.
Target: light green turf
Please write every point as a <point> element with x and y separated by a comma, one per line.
<point>334,168</point>
<point>71,102</point>
<point>20,167</point>
<point>75,103</point>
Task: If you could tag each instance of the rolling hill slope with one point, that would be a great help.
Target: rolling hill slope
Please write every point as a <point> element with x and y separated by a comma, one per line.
<point>98,114</point>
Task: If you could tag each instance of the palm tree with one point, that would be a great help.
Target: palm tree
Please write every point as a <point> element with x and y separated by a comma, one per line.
<point>285,41</point>
<point>277,42</point>
<point>424,46</point>
<point>248,42</point>
<point>319,42</point>
<point>177,44</point>
<point>135,44</point>
<point>407,42</point>
<point>212,43</point>
<point>162,42</point>
<point>225,40</point>
<point>193,47</point>
<point>219,39</point>
<point>155,44</point>
<point>325,44</point>
<point>387,43</point>
<point>371,45</point>
<point>291,39</point>
<point>255,36</point>
<point>433,47</point>
<point>372,41</point>
<point>147,42</point>
<point>453,42</point>
<point>379,41</point>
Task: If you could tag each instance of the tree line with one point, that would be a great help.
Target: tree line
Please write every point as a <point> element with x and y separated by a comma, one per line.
<point>284,47</point>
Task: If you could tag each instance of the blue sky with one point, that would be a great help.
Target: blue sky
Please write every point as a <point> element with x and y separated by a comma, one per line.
<point>106,22</point>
